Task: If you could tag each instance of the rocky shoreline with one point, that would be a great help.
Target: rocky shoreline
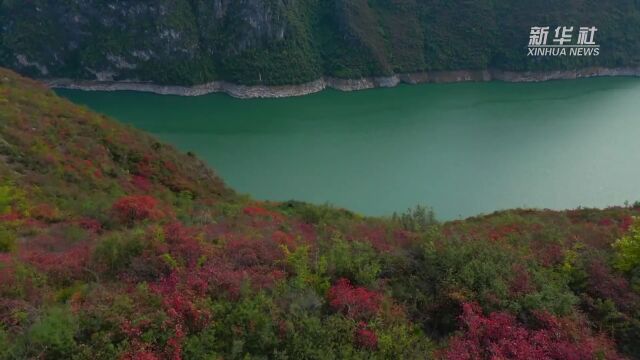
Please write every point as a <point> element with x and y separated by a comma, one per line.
<point>263,91</point>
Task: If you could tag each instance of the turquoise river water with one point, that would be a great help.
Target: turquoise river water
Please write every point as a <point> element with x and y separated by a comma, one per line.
<point>462,149</point>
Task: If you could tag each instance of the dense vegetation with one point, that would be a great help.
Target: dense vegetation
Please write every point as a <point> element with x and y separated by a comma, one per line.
<point>284,42</point>
<point>115,246</point>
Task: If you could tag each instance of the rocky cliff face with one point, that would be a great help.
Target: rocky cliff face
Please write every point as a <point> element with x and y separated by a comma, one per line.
<point>277,42</point>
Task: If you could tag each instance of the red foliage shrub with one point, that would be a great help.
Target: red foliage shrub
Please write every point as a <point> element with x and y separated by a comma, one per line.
<point>365,338</point>
<point>606,222</point>
<point>90,225</point>
<point>183,243</point>
<point>354,302</point>
<point>604,284</point>
<point>504,231</point>
<point>60,266</point>
<point>225,278</point>
<point>520,283</point>
<point>13,285</point>
<point>129,209</point>
<point>404,238</point>
<point>45,212</point>
<point>256,211</point>
<point>141,183</point>
<point>500,336</point>
<point>179,292</point>
<point>10,217</point>
<point>13,310</point>
<point>547,254</point>
<point>282,238</point>
<point>144,167</point>
<point>140,355</point>
<point>246,252</point>
<point>168,165</point>
<point>374,235</point>
<point>626,222</point>
<point>7,272</point>
<point>307,231</point>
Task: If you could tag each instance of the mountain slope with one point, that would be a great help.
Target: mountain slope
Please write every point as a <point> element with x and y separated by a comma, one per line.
<point>185,42</point>
<point>115,246</point>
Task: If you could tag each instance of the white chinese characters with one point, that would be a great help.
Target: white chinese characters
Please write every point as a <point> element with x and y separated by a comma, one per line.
<point>586,35</point>
<point>564,36</point>
<point>564,41</point>
<point>538,36</point>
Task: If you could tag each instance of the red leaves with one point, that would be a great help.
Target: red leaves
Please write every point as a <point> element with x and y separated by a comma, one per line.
<point>224,277</point>
<point>10,217</point>
<point>7,272</point>
<point>45,212</point>
<point>520,283</point>
<point>354,302</point>
<point>183,243</point>
<point>145,167</point>
<point>256,211</point>
<point>603,283</point>
<point>141,183</point>
<point>501,336</point>
<point>60,266</point>
<point>140,355</point>
<point>259,212</point>
<point>504,231</point>
<point>365,338</point>
<point>249,252</point>
<point>129,209</point>
<point>606,222</point>
<point>284,239</point>
<point>180,293</point>
<point>626,222</point>
<point>375,235</point>
<point>91,225</point>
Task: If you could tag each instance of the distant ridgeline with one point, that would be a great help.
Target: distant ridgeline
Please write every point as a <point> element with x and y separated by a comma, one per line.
<point>273,42</point>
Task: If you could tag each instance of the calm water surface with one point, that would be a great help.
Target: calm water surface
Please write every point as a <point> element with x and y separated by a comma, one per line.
<point>463,149</point>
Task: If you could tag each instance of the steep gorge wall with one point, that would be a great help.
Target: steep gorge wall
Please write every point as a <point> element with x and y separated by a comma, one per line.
<point>280,42</point>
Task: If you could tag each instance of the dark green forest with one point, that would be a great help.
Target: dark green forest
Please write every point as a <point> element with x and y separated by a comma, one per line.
<point>288,42</point>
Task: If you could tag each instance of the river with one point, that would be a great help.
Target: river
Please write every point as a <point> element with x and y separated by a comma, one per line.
<point>462,149</point>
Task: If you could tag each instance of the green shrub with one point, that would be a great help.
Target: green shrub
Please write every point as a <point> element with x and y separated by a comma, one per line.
<point>354,260</point>
<point>245,327</point>
<point>52,336</point>
<point>116,251</point>
<point>553,293</point>
<point>202,346</point>
<point>628,249</point>
<point>4,343</point>
<point>7,240</point>
<point>11,198</point>
<point>322,339</point>
<point>27,281</point>
<point>418,219</point>
<point>316,214</point>
<point>475,268</point>
<point>402,341</point>
<point>308,274</point>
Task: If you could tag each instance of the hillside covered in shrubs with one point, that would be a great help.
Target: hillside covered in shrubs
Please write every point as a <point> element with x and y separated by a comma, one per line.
<point>115,246</point>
